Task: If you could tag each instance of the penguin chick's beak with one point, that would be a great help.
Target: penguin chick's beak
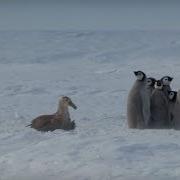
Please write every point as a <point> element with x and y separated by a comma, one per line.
<point>170,78</point>
<point>136,73</point>
<point>73,105</point>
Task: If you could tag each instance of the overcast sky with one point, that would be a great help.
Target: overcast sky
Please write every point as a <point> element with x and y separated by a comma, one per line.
<point>89,15</point>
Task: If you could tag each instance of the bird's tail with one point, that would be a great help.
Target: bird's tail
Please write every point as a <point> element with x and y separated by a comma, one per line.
<point>28,125</point>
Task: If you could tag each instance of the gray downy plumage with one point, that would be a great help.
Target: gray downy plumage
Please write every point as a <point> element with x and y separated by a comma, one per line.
<point>135,102</point>
<point>149,87</point>
<point>172,97</point>
<point>166,80</point>
<point>176,112</point>
<point>159,108</point>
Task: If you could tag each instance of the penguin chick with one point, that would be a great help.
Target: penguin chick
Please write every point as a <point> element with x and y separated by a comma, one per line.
<point>135,101</point>
<point>176,111</point>
<point>159,107</point>
<point>172,96</point>
<point>166,81</point>
<point>149,87</point>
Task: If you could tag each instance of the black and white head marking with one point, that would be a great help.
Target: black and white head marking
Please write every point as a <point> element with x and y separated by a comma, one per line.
<point>140,75</point>
<point>166,80</point>
<point>158,84</point>
<point>172,95</point>
<point>150,81</point>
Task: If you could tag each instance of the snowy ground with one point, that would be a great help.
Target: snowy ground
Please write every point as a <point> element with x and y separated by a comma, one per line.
<point>95,70</point>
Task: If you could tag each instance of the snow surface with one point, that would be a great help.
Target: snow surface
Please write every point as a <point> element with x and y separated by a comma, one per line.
<point>95,70</point>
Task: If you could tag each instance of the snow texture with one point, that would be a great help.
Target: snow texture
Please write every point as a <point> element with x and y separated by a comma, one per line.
<point>95,69</point>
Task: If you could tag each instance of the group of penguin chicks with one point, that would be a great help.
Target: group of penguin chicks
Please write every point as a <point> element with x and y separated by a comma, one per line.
<point>152,104</point>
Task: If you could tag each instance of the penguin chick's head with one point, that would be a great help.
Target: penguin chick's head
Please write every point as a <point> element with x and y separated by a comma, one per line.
<point>166,80</point>
<point>158,84</point>
<point>150,81</point>
<point>140,75</point>
<point>172,95</point>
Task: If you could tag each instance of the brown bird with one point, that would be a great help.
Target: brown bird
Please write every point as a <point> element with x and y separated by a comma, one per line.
<point>59,120</point>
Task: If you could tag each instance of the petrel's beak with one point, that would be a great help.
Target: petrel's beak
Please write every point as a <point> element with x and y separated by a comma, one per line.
<point>73,105</point>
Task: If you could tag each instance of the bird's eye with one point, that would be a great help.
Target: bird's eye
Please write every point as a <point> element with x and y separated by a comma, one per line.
<point>65,98</point>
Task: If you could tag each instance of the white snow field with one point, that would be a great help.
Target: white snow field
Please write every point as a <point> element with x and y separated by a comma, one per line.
<point>95,69</point>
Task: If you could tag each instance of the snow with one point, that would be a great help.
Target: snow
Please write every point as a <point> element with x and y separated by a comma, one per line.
<point>95,70</point>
